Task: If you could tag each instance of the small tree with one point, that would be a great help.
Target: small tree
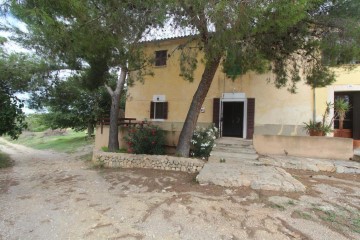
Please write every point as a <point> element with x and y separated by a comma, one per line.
<point>341,107</point>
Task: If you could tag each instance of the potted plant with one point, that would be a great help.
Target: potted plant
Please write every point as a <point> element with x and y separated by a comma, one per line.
<point>322,128</point>
<point>317,128</point>
<point>341,107</point>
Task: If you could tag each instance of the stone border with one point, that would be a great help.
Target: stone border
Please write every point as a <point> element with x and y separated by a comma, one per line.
<point>163,162</point>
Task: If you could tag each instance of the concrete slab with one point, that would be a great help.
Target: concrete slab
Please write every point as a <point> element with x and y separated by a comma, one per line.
<point>254,176</point>
<point>312,164</point>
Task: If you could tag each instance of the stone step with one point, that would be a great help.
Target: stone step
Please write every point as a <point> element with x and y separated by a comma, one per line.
<point>234,149</point>
<point>228,155</point>
<point>234,160</point>
<point>233,141</point>
<point>234,146</point>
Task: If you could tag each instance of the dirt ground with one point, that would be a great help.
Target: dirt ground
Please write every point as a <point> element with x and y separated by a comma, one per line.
<point>48,195</point>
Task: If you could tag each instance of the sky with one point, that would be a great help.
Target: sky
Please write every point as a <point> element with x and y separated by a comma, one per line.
<point>11,46</point>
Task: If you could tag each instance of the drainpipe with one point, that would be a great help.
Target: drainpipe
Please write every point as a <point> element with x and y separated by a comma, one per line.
<point>314,107</point>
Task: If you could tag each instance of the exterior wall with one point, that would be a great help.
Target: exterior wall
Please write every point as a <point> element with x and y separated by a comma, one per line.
<point>276,110</point>
<point>305,146</point>
<point>346,80</point>
<point>102,138</point>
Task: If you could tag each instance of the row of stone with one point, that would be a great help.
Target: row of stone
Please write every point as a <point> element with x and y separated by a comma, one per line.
<point>125,160</point>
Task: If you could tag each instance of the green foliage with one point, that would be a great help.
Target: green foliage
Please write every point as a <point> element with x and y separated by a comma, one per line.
<point>68,141</point>
<point>121,150</point>
<point>203,141</point>
<point>146,139</point>
<point>324,126</point>
<point>341,107</point>
<point>70,105</point>
<point>17,73</point>
<point>12,118</point>
<point>36,122</point>
<point>284,36</point>
<point>5,160</point>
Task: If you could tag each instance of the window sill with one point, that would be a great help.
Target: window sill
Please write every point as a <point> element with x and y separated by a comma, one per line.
<point>158,120</point>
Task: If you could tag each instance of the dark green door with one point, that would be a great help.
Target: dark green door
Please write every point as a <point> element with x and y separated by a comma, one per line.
<point>233,119</point>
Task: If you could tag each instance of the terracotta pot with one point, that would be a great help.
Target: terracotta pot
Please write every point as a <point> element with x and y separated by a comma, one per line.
<point>316,133</point>
<point>344,133</point>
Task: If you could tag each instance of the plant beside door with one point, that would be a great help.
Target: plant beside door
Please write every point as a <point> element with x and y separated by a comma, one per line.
<point>322,128</point>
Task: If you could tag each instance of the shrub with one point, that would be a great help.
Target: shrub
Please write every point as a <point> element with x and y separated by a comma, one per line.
<point>203,141</point>
<point>146,139</point>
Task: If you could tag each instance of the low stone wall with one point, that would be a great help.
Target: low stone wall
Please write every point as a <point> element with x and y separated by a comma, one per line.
<point>164,162</point>
<point>304,146</point>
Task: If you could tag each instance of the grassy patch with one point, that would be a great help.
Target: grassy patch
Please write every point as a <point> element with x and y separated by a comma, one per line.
<point>356,224</point>
<point>300,214</point>
<point>121,150</point>
<point>68,142</point>
<point>5,160</point>
<point>278,206</point>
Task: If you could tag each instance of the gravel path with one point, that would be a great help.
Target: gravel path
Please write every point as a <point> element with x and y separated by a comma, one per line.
<point>48,195</point>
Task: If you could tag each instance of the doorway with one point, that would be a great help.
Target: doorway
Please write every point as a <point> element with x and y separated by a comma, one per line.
<point>233,119</point>
<point>352,118</point>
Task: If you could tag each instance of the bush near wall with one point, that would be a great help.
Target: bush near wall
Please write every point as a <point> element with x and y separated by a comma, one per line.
<point>203,141</point>
<point>146,139</point>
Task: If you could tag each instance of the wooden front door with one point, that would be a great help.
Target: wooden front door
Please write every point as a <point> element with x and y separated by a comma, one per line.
<point>233,119</point>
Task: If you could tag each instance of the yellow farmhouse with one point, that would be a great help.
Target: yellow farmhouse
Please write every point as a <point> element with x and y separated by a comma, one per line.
<point>248,105</point>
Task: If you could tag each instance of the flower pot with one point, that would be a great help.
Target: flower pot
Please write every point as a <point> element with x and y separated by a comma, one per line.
<point>344,133</point>
<point>317,133</point>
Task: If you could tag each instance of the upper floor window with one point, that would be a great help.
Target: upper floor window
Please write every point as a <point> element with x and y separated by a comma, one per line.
<point>160,58</point>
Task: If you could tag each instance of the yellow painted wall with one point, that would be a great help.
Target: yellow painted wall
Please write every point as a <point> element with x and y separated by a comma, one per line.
<point>273,106</point>
<point>277,111</point>
<point>346,79</point>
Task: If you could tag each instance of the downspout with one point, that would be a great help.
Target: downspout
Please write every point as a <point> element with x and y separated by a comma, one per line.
<point>314,107</point>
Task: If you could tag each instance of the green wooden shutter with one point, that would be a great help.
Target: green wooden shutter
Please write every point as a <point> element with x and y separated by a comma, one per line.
<point>250,118</point>
<point>152,108</point>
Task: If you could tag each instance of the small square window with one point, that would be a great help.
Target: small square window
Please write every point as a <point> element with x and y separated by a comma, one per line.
<point>158,110</point>
<point>160,58</point>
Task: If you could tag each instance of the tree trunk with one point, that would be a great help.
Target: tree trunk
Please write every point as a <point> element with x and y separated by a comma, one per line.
<point>114,111</point>
<point>113,128</point>
<point>90,129</point>
<point>183,147</point>
<point>341,123</point>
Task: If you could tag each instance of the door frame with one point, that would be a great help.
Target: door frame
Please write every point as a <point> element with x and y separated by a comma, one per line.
<point>234,97</point>
<point>340,88</point>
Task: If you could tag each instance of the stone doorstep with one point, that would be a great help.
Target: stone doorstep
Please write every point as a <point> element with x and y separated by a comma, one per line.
<point>234,149</point>
<point>256,177</point>
<point>239,156</point>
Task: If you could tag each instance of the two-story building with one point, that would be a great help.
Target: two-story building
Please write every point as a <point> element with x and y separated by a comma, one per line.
<point>241,107</point>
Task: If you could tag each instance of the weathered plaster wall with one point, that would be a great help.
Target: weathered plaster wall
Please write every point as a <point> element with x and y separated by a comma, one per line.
<point>164,162</point>
<point>277,110</point>
<point>304,146</point>
<point>346,80</point>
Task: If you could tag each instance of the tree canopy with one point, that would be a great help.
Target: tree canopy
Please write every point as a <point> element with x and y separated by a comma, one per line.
<point>290,38</point>
<point>18,72</point>
<point>92,37</point>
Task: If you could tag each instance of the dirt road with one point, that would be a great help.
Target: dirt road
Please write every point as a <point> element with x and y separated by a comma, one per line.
<point>48,195</point>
